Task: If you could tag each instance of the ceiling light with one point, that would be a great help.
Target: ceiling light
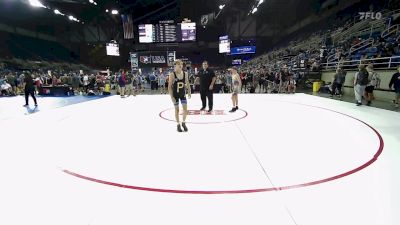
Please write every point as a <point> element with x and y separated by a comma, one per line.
<point>107,10</point>
<point>114,12</point>
<point>70,17</point>
<point>36,3</point>
<point>57,12</point>
<point>254,10</point>
<point>91,1</point>
<point>221,7</point>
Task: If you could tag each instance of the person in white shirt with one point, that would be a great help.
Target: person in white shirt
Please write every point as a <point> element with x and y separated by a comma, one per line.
<point>5,88</point>
<point>360,82</point>
<point>86,82</point>
<point>374,82</point>
<point>161,81</point>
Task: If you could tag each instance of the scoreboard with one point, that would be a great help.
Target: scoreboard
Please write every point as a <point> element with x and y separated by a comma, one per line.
<point>167,32</point>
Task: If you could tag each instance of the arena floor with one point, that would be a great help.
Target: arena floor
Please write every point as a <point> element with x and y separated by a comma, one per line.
<point>281,159</point>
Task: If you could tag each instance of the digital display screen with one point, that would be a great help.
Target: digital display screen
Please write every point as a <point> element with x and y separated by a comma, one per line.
<point>188,31</point>
<point>224,44</point>
<point>146,33</point>
<point>112,49</point>
<point>167,32</point>
<point>243,50</point>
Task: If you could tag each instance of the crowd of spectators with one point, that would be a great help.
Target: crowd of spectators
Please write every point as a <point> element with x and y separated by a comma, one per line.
<point>310,53</point>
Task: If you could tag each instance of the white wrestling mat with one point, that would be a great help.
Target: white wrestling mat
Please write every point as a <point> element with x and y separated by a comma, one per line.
<point>281,159</point>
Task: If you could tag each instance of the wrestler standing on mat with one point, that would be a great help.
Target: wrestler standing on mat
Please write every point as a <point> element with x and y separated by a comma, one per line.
<point>236,86</point>
<point>178,86</point>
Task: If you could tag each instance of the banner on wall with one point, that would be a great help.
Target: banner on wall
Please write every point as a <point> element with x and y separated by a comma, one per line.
<point>243,50</point>
<point>152,59</point>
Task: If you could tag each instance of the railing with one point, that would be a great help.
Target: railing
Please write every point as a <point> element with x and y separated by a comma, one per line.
<point>331,58</point>
<point>364,25</point>
<point>351,30</point>
<point>361,45</point>
<point>379,63</point>
<point>376,26</point>
<point>391,30</point>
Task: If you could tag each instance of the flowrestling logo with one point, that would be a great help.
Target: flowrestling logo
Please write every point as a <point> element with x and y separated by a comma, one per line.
<point>370,15</point>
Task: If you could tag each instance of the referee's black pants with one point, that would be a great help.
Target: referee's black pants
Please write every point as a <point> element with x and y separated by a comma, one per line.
<point>30,92</point>
<point>207,94</point>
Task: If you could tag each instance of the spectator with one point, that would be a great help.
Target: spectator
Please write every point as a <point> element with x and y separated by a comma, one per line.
<point>121,84</point>
<point>395,84</point>
<point>374,82</point>
<point>337,82</point>
<point>291,85</point>
<point>85,82</point>
<point>75,82</point>
<point>12,80</point>
<point>360,82</point>
<point>153,81</point>
<point>38,83</point>
<point>5,88</point>
<point>161,81</point>
<point>262,82</point>
<point>129,85</point>
<point>243,79</point>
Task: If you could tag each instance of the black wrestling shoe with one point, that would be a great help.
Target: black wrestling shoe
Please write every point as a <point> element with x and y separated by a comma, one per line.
<point>184,127</point>
<point>233,110</point>
<point>369,103</point>
<point>237,107</point>
<point>179,128</point>
<point>202,108</point>
<point>210,110</point>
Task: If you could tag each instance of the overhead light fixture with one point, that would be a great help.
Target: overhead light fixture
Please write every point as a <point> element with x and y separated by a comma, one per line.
<point>36,3</point>
<point>107,10</point>
<point>57,12</point>
<point>93,2</point>
<point>254,10</point>
<point>221,7</point>
<point>114,12</point>
<point>72,18</point>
